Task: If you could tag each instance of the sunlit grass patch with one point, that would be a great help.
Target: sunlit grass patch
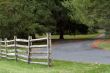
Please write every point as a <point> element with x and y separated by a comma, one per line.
<point>10,66</point>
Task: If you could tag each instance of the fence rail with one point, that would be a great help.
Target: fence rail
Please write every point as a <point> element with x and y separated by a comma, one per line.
<point>10,49</point>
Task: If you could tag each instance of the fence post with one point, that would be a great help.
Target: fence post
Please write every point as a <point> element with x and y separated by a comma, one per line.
<point>49,49</point>
<point>29,49</point>
<point>0,47</point>
<point>16,55</point>
<point>6,47</point>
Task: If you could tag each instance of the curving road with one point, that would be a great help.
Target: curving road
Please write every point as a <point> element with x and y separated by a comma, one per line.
<point>80,51</point>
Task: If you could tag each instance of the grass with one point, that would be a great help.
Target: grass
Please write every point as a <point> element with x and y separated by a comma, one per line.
<point>102,44</point>
<point>9,66</point>
<point>105,44</point>
<point>88,36</point>
<point>68,38</point>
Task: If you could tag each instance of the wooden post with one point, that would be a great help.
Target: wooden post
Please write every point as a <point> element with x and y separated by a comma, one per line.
<point>16,53</point>
<point>29,49</point>
<point>6,47</point>
<point>0,47</point>
<point>49,49</point>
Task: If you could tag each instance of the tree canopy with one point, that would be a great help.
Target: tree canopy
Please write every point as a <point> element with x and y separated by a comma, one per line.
<point>28,17</point>
<point>24,17</point>
<point>100,12</point>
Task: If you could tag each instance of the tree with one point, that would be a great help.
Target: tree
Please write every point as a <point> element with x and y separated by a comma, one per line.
<point>99,11</point>
<point>28,17</point>
<point>60,15</point>
<point>78,11</point>
<point>90,12</point>
<point>24,17</point>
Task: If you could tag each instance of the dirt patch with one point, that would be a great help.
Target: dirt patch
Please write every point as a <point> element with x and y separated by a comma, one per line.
<point>98,43</point>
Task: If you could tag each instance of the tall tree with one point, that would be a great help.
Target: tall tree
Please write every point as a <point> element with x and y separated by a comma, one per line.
<point>90,12</point>
<point>60,15</point>
<point>24,17</point>
<point>99,10</point>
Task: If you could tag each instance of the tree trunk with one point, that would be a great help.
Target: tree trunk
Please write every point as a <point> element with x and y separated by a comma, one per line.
<point>33,36</point>
<point>61,34</point>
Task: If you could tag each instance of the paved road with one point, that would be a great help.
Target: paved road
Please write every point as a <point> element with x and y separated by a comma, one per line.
<point>80,51</point>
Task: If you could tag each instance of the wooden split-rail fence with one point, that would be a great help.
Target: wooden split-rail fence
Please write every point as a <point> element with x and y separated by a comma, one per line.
<point>26,50</point>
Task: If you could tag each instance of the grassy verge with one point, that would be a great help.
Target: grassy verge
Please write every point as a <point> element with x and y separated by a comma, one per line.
<point>105,44</point>
<point>88,36</point>
<point>102,44</point>
<point>59,67</point>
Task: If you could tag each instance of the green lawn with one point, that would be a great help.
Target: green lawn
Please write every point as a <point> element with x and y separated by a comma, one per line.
<point>58,67</point>
<point>104,45</point>
<point>88,36</point>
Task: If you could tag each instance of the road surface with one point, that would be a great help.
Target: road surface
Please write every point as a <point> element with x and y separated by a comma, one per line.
<point>80,51</point>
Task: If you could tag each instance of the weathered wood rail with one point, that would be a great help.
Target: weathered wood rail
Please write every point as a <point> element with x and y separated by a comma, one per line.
<point>30,53</point>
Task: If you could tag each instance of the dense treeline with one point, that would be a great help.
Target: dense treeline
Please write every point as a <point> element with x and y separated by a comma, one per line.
<point>30,17</point>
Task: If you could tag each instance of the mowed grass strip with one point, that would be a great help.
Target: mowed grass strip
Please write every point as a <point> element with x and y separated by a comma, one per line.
<point>88,36</point>
<point>10,66</point>
<point>105,44</point>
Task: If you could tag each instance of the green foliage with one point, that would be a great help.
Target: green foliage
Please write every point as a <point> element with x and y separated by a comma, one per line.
<point>24,17</point>
<point>89,12</point>
<point>99,10</point>
<point>78,10</point>
<point>28,17</point>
